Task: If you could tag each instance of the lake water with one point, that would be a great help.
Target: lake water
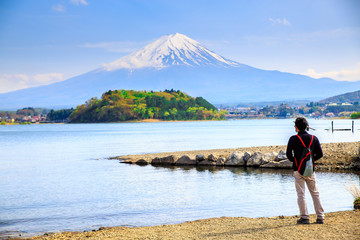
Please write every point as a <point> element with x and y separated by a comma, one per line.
<point>57,177</point>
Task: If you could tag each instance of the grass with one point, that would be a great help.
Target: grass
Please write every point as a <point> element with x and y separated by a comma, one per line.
<point>354,190</point>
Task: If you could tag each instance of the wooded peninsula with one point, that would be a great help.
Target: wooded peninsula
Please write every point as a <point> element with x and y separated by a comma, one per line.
<point>127,105</point>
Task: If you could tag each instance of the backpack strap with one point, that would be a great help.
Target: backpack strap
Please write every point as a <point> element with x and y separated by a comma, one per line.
<point>301,141</point>
<point>312,137</point>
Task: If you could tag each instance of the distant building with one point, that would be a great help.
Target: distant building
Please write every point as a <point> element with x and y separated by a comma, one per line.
<point>330,115</point>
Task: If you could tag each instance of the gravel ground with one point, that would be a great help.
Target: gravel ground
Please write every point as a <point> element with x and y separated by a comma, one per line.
<point>338,225</point>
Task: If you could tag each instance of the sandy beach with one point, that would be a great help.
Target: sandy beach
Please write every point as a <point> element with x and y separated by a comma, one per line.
<point>338,225</point>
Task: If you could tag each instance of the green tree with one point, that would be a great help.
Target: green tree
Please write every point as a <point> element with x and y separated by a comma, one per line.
<point>355,115</point>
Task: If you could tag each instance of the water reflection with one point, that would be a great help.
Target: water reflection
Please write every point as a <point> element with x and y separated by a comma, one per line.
<point>241,171</point>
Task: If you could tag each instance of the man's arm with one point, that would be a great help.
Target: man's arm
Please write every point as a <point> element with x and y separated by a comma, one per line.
<point>317,152</point>
<point>289,150</point>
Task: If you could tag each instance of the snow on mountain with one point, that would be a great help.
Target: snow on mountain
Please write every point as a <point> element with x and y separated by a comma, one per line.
<point>174,49</point>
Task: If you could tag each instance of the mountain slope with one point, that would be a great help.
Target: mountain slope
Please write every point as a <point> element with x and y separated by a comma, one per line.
<point>346,97</point>
<point>178,62</point>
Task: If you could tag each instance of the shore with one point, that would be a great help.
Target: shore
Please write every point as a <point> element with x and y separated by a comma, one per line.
<point>337,156</point>
<point>338,225</point>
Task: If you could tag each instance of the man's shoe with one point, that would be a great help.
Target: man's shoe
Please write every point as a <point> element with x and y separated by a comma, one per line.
<point>319,221</point>
<point>303,221</point>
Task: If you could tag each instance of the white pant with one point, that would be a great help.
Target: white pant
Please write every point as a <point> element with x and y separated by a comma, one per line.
<point>300,181</point>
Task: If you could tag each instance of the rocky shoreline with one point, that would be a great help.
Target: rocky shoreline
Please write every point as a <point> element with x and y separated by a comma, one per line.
<point>337,156</point>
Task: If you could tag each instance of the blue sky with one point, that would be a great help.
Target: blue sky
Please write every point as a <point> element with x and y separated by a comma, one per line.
<point>45,41</point>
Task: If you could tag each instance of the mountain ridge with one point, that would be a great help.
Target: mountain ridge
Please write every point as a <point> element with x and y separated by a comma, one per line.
<point>343,98</point>
<point>178,62</point>
<point>173,49</point>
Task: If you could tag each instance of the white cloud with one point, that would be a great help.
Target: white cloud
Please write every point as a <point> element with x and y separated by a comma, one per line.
<point>277,21</point>
<point>79,2</point>
<point>59,8</point>
<point>120,47</point>
<point>12,82</point>
<point>342,75</point>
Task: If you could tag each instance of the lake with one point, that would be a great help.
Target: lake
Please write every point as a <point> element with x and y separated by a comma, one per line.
<point>57,177</point>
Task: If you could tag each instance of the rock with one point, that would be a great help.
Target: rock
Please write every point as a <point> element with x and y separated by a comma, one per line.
<point>269,157</point>
<point>357,203</point>
<point>212,158</point>
<point>141,162</point>
<point>185,160</point>
<point>199,158</point>
<point>236,159</point>
<point>278,164</point>
<point>247,156</point>
<point>281,156</point>
<point>355,164</point>
<point>255,160</point>
<point>169,160</point>
<point>220,161</point>
<point>156,161</point>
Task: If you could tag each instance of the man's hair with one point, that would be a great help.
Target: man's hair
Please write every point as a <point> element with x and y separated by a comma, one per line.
<point>302,124</point>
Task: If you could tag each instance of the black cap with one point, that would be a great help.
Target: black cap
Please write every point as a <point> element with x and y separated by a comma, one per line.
<point>302,124</point>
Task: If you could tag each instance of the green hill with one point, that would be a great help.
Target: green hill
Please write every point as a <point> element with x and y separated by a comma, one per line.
<point>350,97</point>
<point>125,105</point>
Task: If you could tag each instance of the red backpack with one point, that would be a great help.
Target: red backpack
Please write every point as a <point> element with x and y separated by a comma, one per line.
<point>306,165</point>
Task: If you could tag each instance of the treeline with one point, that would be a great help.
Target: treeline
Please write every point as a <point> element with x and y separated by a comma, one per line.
<point>59,115</point>
<point>343,108</point>
<point>355,115</point>
<point>30,111</point>
<point>125,105</point>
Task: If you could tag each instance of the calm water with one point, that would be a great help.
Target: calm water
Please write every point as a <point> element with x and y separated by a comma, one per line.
<point>57,177</point>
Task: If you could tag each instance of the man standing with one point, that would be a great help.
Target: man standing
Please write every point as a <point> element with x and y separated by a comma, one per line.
<point>295,148</point>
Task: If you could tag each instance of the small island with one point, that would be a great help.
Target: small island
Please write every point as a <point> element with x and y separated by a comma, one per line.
<point>129,105</point>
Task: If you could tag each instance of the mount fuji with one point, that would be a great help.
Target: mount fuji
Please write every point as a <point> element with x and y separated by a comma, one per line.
<point>179,62</point>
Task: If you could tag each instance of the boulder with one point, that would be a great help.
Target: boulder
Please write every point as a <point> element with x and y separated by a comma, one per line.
<point>236,159</point>
<point>212,158</point>
<point>255,160</point>
<point>278,164</point>
<point>247,156</point>
<point>199,158</point>
<point>220,161</point>
<point>169,160</point>
<point>355,164</point>
<point>281,156</point>
<point>185,160</point>
<point>141,162</point>
<point>268,157</point>
<point>156,161</point>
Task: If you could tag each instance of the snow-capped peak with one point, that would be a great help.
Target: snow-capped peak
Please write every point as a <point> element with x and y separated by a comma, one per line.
<point>174,49</point>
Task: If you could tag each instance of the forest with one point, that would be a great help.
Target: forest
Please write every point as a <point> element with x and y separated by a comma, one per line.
<point>127,105</point>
